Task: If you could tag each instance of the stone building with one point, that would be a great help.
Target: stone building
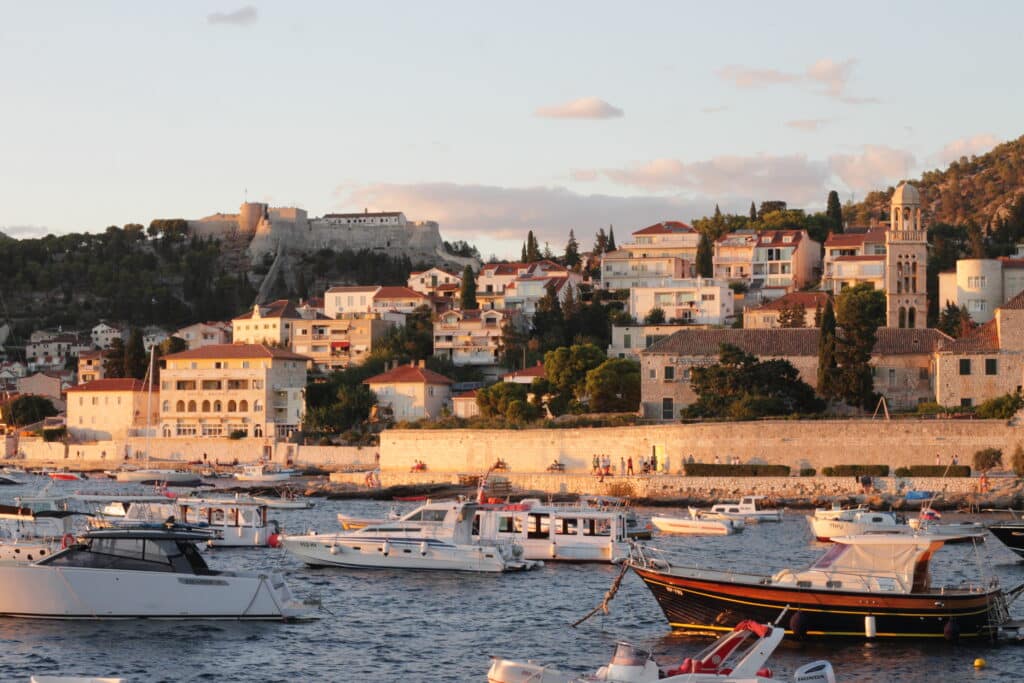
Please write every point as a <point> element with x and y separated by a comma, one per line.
<point>411,392</point>
<point>982,285</point>
<point>906,260</point>
<point>106,409</point>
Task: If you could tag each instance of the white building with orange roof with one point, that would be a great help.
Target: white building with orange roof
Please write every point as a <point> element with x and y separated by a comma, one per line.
<point>399,299</point>
<point>334,344</point>
<point>852,257</point>
<point>668,238</point>
<point>90,366</point>
<point>982,285</point>
<point>350,300</point>
<point>199,335</point>
<point>520,286</point>
<point>106,409</point>
<point>767,315</point>
<point>473,337</point>
<point>622,269</point>
<point>701,301</point>
<point>525,375</point>
<point>217,390</point>
<point>267,324</point>
<point>411,392</point>
<point>464,405</point>
<point>771,263</point>
<point>436,281</point>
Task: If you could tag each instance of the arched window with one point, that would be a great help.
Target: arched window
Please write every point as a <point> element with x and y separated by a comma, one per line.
<point>257,406</point>
<point>166,406</point>
<point>180,407</point>
<point>167,431</point>
<point>191,406</point>
<point>257,431</point>
<point>206,406</point>
<point>911,317</point>
<point>243,406</point>
<point>231,406</point>
<point>899,285</point>
<point>903,317</point>
<point>217,407</point>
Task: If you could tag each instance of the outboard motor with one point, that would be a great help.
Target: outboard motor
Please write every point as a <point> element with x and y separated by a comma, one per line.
<point>815,672</point>
<point>630,665</point>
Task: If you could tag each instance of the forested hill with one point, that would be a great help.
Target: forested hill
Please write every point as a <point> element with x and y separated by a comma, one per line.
<point>981,190</point>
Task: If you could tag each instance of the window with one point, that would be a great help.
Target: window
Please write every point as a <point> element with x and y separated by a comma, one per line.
<point>180,407</point>
<point>922,373</point>
<point>191,406</point>
<point>978,282</point>
<point>707,297</point>
<point>627,341</point>
<point>667,409</point>
<point>892,376</point>
<point>965,366</point>
<point>966,402</point>
<point>991,366</point>
<point>166,406</point>
<point>653,374</point>
<point>670,373</point>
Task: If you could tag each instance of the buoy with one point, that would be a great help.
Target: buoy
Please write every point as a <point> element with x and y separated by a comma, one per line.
<point>386,549</point>
<point>798,625</point>
<point>423,548</point>
<point>274,541</point>
<point>980,663</point>
<point>67,540</point>
<point>869,627</point>
<point>554,551</point>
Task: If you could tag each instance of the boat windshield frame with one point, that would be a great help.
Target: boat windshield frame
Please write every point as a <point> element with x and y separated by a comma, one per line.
<point>132,553</point>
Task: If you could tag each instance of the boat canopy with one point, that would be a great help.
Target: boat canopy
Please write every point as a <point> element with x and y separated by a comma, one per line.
<point>902,556</point>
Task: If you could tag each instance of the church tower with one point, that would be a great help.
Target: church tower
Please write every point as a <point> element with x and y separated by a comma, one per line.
<point>906,260</point>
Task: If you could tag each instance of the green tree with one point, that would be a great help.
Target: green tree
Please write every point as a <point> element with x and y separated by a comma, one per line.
<point>600,242</point>
<point>113,359</point>
<point>753,212</point>
<point>614,386</point>
<point>532,248</point>
<point>827,364</point>
<point>793,316</point>
<point>955,320</point>
<point>566,368</point>
<point>987,459</point>
<point>611,238</point>
<point>29,409</point>
<point>834,211</point>
<point>705,253</point>
<point>508,400</point>
<point>860,311</point>
<point>549,320</point>
<point>655,316</point>
<point>136,362</point>
<point>1001,407</point>
<point>1017,460</point>
<point>572,251</point>
<point>467,292</point>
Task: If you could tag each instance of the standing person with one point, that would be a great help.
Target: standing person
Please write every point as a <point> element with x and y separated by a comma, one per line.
<point>654,462</point>
<point>622,466</point>
<point>629,466</point>
<point>718,461</point>
<point>595,463</point>
<point>938,459</point>
<point>956,459</point>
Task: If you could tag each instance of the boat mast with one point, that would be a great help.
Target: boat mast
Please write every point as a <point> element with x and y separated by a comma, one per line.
<point>149,398</point>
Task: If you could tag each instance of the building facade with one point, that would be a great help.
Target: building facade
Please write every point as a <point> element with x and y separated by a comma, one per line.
<point>199,335</point>
<point>411,392</point>
<point>473,337</point>
<point>767,315</point>
<point>696,300</point>
<point>906,260</point>
<point>90,366</point>
<point>106,409</point>
<point>982,285</point>
<point>334,344</point>
<point>268,324</point>
<point>622,269</point>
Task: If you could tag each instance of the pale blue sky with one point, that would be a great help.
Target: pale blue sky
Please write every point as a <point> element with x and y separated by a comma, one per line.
<point>117,112</point>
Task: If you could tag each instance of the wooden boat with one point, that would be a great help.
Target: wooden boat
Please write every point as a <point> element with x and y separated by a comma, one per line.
<point>739,656</point>
<point>697,525</point>
<point>869,586</point>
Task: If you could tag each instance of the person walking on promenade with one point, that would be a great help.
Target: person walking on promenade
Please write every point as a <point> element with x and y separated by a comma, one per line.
<point>956,459</point>
<point>629,466</point>
<point>596,463</point>
<point>938,459</point>
<point>622,466</point>
<point>654,463</point>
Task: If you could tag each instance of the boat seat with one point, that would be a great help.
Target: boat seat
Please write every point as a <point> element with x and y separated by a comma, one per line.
<point>833,584</point>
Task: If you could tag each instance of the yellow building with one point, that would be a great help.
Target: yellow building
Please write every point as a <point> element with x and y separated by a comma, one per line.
<point>216,390</point>
<point>411,392</point>
<point>336,344</point>
<point>268,324</point>
<point>107,409</point>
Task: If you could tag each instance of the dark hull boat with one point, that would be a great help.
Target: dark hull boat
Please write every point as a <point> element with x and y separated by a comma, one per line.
<point>1011,533</point>
<point>865,587</point>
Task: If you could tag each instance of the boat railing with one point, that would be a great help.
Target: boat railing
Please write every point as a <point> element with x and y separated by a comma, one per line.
<point>649,557</point>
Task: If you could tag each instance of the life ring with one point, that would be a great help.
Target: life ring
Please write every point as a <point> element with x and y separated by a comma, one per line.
<point>67,540</point>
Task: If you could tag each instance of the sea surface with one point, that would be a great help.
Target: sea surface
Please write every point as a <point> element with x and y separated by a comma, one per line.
<point>379,625</point>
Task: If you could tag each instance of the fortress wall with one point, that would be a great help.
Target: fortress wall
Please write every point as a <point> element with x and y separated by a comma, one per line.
<point>799,444</point>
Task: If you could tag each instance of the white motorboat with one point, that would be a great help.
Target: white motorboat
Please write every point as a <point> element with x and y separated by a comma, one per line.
<point>749,508</point>
<point>14,549</point>
<point>740,656</point>
<point>286,501</point>
<point>555,532</point>
<point>148,475</point>
<point>236,522</point>
<point>929,522</point>
<point>37,518</point>
<point>694,524</point>
<point>851,522</point>
<point>153,572</point>
<point>434,536</point>
<point>263,473</point>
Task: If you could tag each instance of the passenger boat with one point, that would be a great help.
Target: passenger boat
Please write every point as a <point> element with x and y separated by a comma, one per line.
<point>870,586</point>
<point>827,524</point>
<point>436,536</point>
<point>739,656</point>
<point>152,572</point>
<point>636,528</point>
<point>237,522</point>
<point>697,525</point>
<point>1011,533</point>
<point>749,508</point>
<point>262,472</point>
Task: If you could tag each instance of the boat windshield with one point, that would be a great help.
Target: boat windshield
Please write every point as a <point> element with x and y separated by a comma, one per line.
<point>134,554</point>
<point>627,655</point>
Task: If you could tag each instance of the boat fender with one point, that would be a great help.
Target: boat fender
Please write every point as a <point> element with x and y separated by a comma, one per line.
<point>870,630</point>
<point>798,625</point>
<point>685,668</point>
<point>67,540</point>
<point>423,548</point>
<point>951,631</point>
<point>333,550</point>
<point>553,551</point>
<point>386,548</point>
<point>765,672</point>
<point>274,540</point>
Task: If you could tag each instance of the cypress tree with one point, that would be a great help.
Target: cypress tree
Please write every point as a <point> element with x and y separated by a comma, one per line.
<point>834,211</point>
<point>753,212</point>
<point>600,242</point>
<point>611,238</point>
<point>467,293</point>
<point>572,251</point>
<point>705,262</point>
<point>827,365</point>
<point>135,356</point>
<point>522,257</point>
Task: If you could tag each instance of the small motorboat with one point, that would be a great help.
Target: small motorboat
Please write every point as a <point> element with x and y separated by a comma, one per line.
<point>287,500</point>
<point>158,476</point>
<point>828,524</point>
<point>929,521</point>
<point>739,656</point>
<point>696,524</point>
<point>142,572</point>
<point>749,508</point>
<point>262,472</point>
<point>64,475</point>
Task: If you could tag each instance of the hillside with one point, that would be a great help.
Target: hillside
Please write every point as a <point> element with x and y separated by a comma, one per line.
<point>982,190</point>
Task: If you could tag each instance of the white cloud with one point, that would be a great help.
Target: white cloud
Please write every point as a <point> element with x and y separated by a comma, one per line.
<point>825,76</point>
<point>583,108</point>
<point>243,16</point>
<point>22,232</point>
<point>965,147</point>
<point>497,218</point>
<point>875,167</point>
<point>807,125</point>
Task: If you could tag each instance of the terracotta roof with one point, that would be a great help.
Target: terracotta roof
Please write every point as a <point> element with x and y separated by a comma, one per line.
<point>790,342</point>
<point>282,308</point>
<point>218,351</point>
<point>465,394</point>
<point>408,374</point>
<point>808,300</point>
<point>87,355</point>
<point>893,341</point>
<point>665,228</point>
<point>769,238</point>
<point>112,385</point>
<point>1014,304</point>
<point>1010,262</point>
<point>854,239</point>
<point>865,257</point>
<point>357,288</point>
<point>448,288</point>
<point>532,371</point>
<point>398,293</point>
<point>503,268</point>
<point>983,339</point>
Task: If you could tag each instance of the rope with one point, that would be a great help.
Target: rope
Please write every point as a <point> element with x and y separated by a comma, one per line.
<point>603,607</point>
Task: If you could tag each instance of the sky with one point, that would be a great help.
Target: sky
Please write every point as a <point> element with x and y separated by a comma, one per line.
<point>490,118</point>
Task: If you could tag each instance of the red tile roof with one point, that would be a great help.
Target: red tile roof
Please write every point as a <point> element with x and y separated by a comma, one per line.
<point>665,228</point>
<point>1015,304</point>
<point>355,288</point>
<point>768,238</point>
<point>398,293</point>
<point>408,374</point>
<point>854,239</point>
<point>465,394</point>
<point>983,339</point>
<point>808,300</point>
<point>217,351</point>
<point>112,385</point>
<point>788,342</point>
<point>1010,262</point>
<point>532,371</point>
<point>282,308</point>
<point>893,341</point>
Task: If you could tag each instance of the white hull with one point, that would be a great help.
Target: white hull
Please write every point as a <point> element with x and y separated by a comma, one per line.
<point>265,477</point>
<point>53,592</point>
<point>856,522</point>
<point>151,475</point>
<point>284,503</point>
<point>22,551</point>
<point>35,527</point>
<point>237,524</point>
<point>683,525</point>
<point>341,550</point>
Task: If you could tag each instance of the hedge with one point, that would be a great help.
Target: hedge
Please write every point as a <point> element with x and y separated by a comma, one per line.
<point>700,469</point>
<point>934,471</point>
<point>856,471</point>
<point>808,472</point>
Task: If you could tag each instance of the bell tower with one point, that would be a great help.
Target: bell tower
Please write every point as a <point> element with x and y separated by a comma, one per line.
<point>906,261</point>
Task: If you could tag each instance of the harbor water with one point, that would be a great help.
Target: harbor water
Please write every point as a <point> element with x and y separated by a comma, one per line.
<point>381,625</point>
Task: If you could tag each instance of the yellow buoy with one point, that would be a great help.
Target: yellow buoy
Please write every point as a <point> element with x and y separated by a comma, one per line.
<point>979,663</point>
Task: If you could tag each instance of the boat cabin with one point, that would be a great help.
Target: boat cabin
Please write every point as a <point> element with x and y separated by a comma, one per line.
<point>554,532</point>
<point>148,550</point>
<point>747,505</point>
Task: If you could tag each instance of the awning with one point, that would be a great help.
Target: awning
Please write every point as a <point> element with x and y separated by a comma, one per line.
<point>339,345</point>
